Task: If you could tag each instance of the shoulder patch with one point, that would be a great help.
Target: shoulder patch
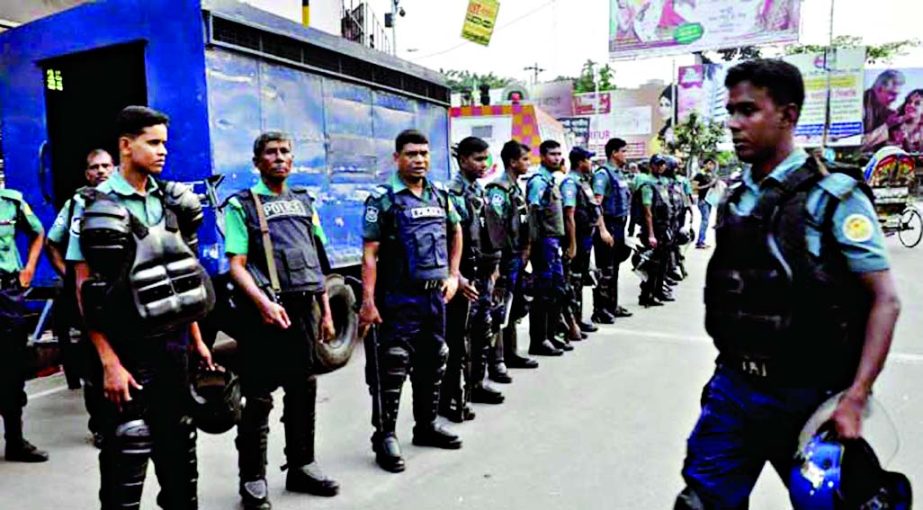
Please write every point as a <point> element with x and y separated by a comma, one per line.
<point>371,214</point>
<point>496,200</point>
<point>839,185</point>
<point>379,191</point>
<point>858,228</point>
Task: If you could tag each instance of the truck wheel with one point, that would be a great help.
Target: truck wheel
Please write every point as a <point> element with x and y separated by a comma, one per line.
<point>335,354</point>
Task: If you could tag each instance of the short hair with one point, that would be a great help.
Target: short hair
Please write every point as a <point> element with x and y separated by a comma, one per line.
<point>888,76</point>
<point>547,145</point>
<point>133,120</point>
<point>709,160</point>
<point>781,80</point>
<point>614,145</point>
<point>96,152</point>
<point>575,159</point>
<point>259,145</point>
<point>513,150</point>
<point>409,136</point>
<point>469,146</point>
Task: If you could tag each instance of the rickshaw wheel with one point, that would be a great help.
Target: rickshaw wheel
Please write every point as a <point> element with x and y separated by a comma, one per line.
<point>910,231</point>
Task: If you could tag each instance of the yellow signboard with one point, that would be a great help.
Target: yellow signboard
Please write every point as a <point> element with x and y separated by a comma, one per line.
<point>480,20</point>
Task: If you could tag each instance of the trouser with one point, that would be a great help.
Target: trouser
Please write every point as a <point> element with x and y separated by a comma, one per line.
<point>548,274</point>
<point>705,212</point>
<point>270,358</point>
<point>505,345</point>
<point>79,358</point>
<point>657,267</point>
<point>579,268</point>
<point>14,363</point>
<point>154,425</point>
<point>606,293</point>
<point>410,339</point>
<point>480,330</point>
<point>744,424</point>
<point>456,382</point>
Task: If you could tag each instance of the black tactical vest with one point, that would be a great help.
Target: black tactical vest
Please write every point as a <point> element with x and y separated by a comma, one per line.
<point>516,221</point>
<point>481,248</point>
<point>661,210</point>
<point>290,218</point>
<point>767,298</point>
<point>587,211</point>
<point>547,220</point>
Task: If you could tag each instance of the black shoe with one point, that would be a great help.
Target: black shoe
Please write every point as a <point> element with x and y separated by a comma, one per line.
<point>666,298</point>
<point>309,479</point>
<point>545,349</point>
<point>388,452</point>
<point>670,282</point>
<point>486,395</point>
<point>517,361</point>
<point>587,327</point>
<point>647,303</point>
<point>562,346</point>
<point>499,374</point>
<point>602,317</point>
<point>24,451</point>
<point>622,313</point>
<point>435,436</point>
<point>254,495</point>
<point>675,274</point>
<point>583,335</point>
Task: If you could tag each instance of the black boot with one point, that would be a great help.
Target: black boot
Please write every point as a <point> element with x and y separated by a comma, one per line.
<point>388,452</point>
<point>483,394</point>
<point>304,474</point>
<point>17,448</point>
<point>254,495</point>
<point>500,374</point>
<point>538,331</point>
<point>309,479</point>
<point>511,350</point>
<point>251,441</point>
<point>436,436</point>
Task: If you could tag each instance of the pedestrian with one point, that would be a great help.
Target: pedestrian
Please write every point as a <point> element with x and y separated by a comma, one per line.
<point>410,269</point>
<point>612,187</point>
<point>80,360</point>
<point>705,181</point>
<point>507,210</point>
<point>275,242</point>
<point>546,220</point>
<point>652,199</point>
<point>122,244</point>
<point>468,314</point>
<point>15,279</point>
<point>799,298</point>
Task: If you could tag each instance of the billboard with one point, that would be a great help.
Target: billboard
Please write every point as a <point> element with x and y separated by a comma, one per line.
<point>893,109</point>
<point>579,128</point>
<point>639,116</point>
<point>480,20</point>
<point>700,90</point>
<point>556,98</point>
<point>846,78</point>
<point>652,28</point>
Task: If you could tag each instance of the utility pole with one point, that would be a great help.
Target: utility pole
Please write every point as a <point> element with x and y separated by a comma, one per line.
<point>829,52</point>
<point>535,70</point>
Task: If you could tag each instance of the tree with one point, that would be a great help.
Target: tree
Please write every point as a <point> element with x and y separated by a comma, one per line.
<point>696,139</point>
<point>590,80</point>
<point>882,53</point>
<point>459,80</point>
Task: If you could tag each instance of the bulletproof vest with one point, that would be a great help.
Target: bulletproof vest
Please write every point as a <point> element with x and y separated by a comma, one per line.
<point>661,208</point>
<point>289,216</point>
<point>417,238</point>
<point>767,297</point>
<point>618,201</point>
<point>517,221</point>
<point>187,207</point>
<point>166,287</point>
<point>587,212</point>
<point>677,199</point>
<point>547,219</point>
<point>482,244</point>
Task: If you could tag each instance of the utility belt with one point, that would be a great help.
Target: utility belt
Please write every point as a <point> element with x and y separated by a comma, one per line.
<point>776,372</point>
<point>9,280</point>
<point>421,285</point>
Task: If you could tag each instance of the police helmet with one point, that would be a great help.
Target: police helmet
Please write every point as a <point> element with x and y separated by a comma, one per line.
<point>641,261</point>
<point>685,236</point>
<point>215,396</point>
<point>622,253</point>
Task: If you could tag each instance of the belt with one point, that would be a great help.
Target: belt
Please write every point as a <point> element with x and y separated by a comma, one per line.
<point>426,284</point>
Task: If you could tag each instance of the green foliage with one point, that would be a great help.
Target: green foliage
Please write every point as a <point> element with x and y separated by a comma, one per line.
<point>694,138</point>
<point>590,78</point>
<point>880,54</point>
<point>460,80</point>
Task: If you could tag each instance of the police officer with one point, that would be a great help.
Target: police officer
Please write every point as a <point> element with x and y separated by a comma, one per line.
<point>582,220</point>
<point>546,220</point>
<point>411,233</point>
<point>507,211</point>
<point>79,360</point>
<point>672,256</point>
<point>277,345</point>
<point>653,200</point>
<point>612,188</point>
<point>15,278</point>
<point>469,314</point>
<point>142,338</point>
<point>799,298</point>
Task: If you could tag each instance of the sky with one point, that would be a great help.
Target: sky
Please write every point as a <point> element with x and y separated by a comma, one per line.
<point>560,35</point>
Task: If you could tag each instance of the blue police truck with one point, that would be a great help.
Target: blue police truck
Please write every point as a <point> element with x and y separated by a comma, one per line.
<point>223,71</point>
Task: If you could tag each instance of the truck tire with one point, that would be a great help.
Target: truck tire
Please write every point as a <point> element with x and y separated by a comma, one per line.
<point>330,356</point>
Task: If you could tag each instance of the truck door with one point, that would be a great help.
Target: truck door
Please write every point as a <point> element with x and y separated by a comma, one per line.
<point>83,94</point>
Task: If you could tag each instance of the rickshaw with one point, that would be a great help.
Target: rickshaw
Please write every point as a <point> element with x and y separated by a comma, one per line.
<point>891,175</point>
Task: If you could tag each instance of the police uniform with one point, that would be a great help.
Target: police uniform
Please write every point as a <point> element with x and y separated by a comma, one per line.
<point>413,263</point>
<point>507,211</point>
<point>272,357</point>
<point>149,331</point>
<point>468,323</point>
<point>15,215</point>
<point>614,186</point>
<point>678,203</point>
<point>546,220</point>
<point>653,193</point>
<point>577,192</point>
<point>787,312</point>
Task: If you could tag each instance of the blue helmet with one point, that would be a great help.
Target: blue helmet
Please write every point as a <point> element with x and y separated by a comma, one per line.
<point>834,474</point>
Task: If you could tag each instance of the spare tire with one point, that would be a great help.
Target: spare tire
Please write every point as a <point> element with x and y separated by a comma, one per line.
<point>334,354</point>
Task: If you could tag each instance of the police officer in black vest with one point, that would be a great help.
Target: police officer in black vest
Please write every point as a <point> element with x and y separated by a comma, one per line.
<point>799,298</point>
<point>653,200</point>
<point>141,290</point>
<point>275,244</point>
<point>411,253</point>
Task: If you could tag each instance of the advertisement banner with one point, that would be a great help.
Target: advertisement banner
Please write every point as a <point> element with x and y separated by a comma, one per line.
<point>579,128</point>
<point>846,78</point>
<point>592,104</point>
<point>480,20</point>
<point>652,28</point>
<point>638,116</point>
<point>700,89</point>
<point>556,98</point>
<point>893,109</point>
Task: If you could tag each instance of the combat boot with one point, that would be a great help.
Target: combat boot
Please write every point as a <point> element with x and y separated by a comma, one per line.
<point>254,495</point>
<point>309,479</point>
<point>388,452</point>
<point>483,394</point>
<point>432,434</point>
<point>24,451</point>
<point>500,374</point>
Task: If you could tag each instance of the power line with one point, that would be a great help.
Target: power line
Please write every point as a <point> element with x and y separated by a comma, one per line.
<point>505,25</point>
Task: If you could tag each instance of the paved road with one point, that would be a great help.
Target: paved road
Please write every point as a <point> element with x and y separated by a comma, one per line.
<point>602,428</point>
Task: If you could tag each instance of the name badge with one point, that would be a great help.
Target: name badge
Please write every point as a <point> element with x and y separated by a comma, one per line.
<point>427,212</point>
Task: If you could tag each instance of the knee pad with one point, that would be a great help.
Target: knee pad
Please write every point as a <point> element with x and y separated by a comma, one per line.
<point>442,357</point>
<point>134,438</point>
<point>395,361</point>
